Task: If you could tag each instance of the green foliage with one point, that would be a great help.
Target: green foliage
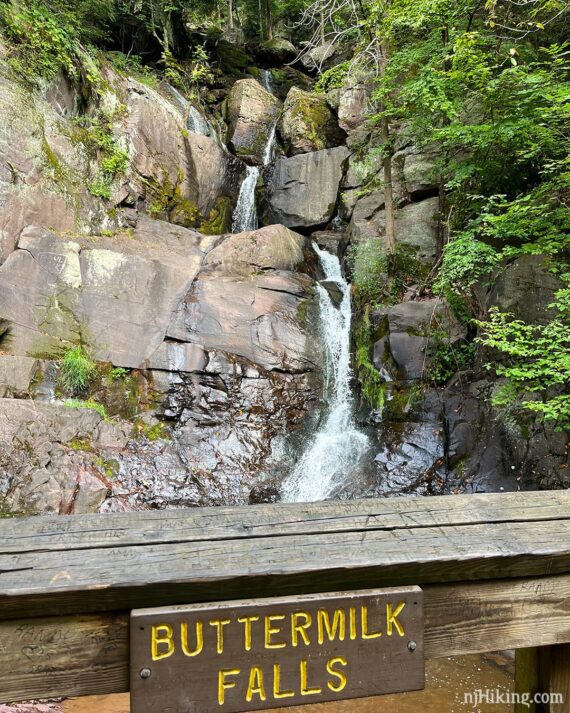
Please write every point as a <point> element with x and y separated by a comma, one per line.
<point>96,134</point>
<point>118,373</point>
<point>368,261</point>
<point>132,65</point>
<point>373,385</point>
<point>447,358</point>
<point>77,371</point>
<point>100,187</point>
<point>537,359</point>
<point>50,36</point>
<point>332,78</point>
<point>89,404</point>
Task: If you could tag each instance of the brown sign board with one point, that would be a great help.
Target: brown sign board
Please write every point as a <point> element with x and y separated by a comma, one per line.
<point>260,654</point>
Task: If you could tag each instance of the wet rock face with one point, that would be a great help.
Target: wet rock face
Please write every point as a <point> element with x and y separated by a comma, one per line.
<point>251,114</point>
<point>407,329</point>
<point>302,190</point>
<point>307,123</point>
<point>47,457</point>
<point>220,327</point>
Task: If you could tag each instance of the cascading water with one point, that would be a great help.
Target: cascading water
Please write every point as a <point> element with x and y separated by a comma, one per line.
<point>337,446</point>
<point>266,80</point>
<point>195,120</point>
<point>245,213</point>
<point>197,123</point>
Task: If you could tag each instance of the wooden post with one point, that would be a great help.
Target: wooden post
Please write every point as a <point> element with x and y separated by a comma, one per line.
<point>544,669</point>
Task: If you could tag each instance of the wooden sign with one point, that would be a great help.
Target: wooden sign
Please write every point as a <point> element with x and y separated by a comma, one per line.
<point>269,653</point>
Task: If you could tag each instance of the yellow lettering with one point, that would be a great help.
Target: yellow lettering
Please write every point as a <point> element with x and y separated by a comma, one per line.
<point>352,623</point>
<point>219,624</point>
<point>277,692</point>
<point>305,689</point>
<point>391,619</point>
<point>247,621</point>
<point>297,628</point>
<point>255,684</point>
<point>156,640</point>
<point>324,624</point>
<point>364,621</point>
<point>270,630</point>
<point>223,684</point>
<point>199,638</point>
<point>336,687</point>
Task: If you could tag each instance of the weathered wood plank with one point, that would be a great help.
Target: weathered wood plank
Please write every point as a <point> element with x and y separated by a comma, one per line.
<point>177,526</point>
<point>88,655</point>
<point>509,614</point>
<point>101,579</point>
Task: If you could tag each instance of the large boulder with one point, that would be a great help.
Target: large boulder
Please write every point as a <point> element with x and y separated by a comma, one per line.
<point>276,52</point>
<point>115,296</point>
<point>307,124</point>
<point>246,300</point>
<point>302,190</point>
<point>181,176</point>
<point>415,226</point>
<point>251,114</point>
<point>406,332</point>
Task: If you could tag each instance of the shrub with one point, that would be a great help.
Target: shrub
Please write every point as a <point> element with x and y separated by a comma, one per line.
<point>77,371</point>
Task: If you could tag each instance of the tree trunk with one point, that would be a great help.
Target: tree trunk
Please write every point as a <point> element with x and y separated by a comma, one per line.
<point>231,14</point>
<point>267,19</point>
<point>387,165</point>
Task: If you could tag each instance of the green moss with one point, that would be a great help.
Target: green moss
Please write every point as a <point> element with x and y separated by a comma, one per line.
<point>80,444</point>
<point>219,219</point>
<point>154,432</point>
<point>109,466</point>
<point>89,404</point>
<point>302,309</point>
<point>233,60</point>
<point>372,384</point>
<point>53,162</point>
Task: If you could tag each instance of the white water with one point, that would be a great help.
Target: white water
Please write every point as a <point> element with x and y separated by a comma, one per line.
<point>337,446</point>
<point>245,213</point>
<point>197,123</point>
<point>266,80</point>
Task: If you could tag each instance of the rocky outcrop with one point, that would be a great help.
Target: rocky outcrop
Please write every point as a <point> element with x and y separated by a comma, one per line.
<point>407,330</point>
<point>218,331</point>
<point>302,190</point>
<point>48,457</point>
<point>307,124</point>
<point>415,226</point>
<point>116,297</point>
<point>251,115</point>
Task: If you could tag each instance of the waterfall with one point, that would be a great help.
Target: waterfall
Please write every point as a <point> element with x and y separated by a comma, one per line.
<point>245,213</point>
<point>337,446</point>
<point>195,120</point>
<point>266,80</point>
<point>197,123</point>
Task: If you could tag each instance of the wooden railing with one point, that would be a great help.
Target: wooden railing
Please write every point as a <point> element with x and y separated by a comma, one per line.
<point>495,570</point>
